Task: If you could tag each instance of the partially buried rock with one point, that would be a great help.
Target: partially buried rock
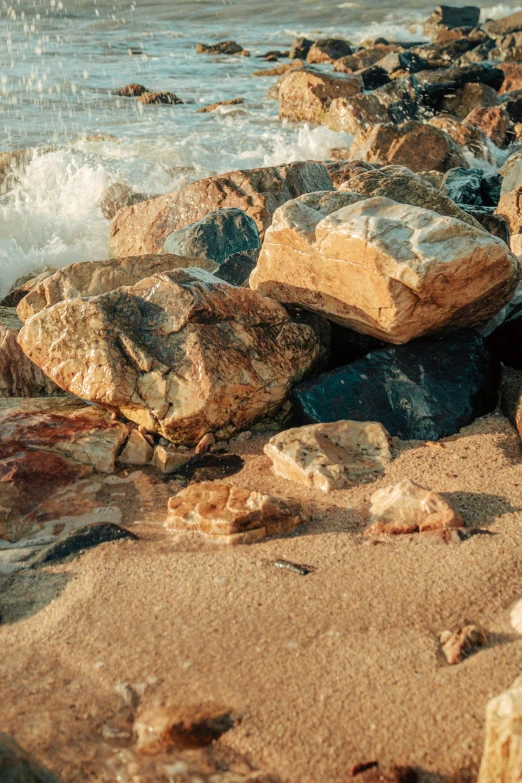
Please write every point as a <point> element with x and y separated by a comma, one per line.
<point>306,94</point>
<point>180,353</point>
<point>407,507</point>
<point>502,758</point>
<point>232,515</point>
<point>18,766</point>
<point>511,396</point>
<point>149,98</point>
<point>175,727</point>
<point>330,456</point>
<point>167,460</point>
<point>19,377</point>
<point>462,642</point>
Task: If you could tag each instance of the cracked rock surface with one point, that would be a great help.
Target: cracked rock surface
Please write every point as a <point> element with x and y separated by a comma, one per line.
<point>19,377</point>
<point>407,507</point>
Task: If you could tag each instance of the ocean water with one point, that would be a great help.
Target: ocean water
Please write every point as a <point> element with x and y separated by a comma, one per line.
<point>62,60</point>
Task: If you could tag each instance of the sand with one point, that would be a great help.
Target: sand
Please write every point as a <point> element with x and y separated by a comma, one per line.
<point>327,670</point>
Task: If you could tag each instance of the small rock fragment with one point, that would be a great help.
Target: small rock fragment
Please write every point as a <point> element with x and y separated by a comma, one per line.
<point>407,507</point>
<point>516,616</point>
<point>149,98</point>
<point>295,568</point>
<point>131,90</point>
<point>214,106</point>
<point>205,443</point>
<point>172,727</point>
<point>463,642</point>
<point>137,450</point>
<point>167,460</point>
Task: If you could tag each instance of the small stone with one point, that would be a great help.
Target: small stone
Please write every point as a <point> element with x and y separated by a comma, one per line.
<point>172,727</point>
<point>131,90</point>
<point>205,443</point>
<point>217,104</point>
<point>502,758</point>
<point>232,515</point>
<point>407,507</point>
<point>137,450</point>
<point>463,642</point>
<point>330,456</point>
<point>223,47</point>
<point>167,460</point>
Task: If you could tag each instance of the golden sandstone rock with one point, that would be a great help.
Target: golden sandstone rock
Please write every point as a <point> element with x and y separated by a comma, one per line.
<point>330,456</point>
<point>390,270</point>
<point>502,759</point>
<point>232,515</point>
<point>19,377</point>
<point>306,94</point>
<point>180,353</point>
<point>407,507</point>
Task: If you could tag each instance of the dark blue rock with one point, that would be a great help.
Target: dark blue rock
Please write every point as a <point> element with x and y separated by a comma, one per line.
<point>374,76</point>
<point>216,236</point>
<point>425,390</point>
<point>237,267</point>
<point>495,224</point>
<point>472,187</point>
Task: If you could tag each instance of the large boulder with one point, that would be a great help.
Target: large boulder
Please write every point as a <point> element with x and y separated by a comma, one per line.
<point>386,269</point>
<point>418,146</point>
<point>352,115</point>
<point>180,353</point>
<point>506,25</point>
<point>328,50</point>
<point>467,136</point>
<point>502,758</point>
<point>425,390</point>
<point>143,228</point>
<point>215,237</point>
<point>19,377</point>
<point>305,95</point>
<point>92,278</point>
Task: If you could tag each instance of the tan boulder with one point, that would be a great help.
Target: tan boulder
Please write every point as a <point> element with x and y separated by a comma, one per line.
<point>502,757</point>
<point>390,270</point>
<point>92,278</point>
<point>143,228</point>
<point>137,450</point>
<point>232,515</point>
<point>470,96</point>
<point>330,456</point>
<point>469,136</point>
<point>510,208</point>
<point>119,195</point>
<point>407,507</point>
<point>364,58</point>
<point>19,377</point>
<point>352,115</point>
<point>305,95</point>
<point>493,121</point>
<point>415,145</point>
<point>180,353</point>
<point>512,76</point>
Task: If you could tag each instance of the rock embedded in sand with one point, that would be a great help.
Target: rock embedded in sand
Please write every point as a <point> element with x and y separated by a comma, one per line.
<point>18,766</point>
<point>19,377</point>
<point>232,515</point>
<point>143,228</point>
<point>390,270</point>
<point>502,757</point>
<point>515,617</point>
<point>174,727</point>
<point>180,353</point>
<point>305,95</point>
<point>168,460</point>
<point>330,456</point>
<point>81,539</point>
<point>407,507</point>
<point>459,644</point>
<point>328,50</point>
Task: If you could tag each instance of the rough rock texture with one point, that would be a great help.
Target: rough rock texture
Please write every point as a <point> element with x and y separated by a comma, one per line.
<point>493,121</point>
<point>415,145</point>
<point>328,50</point>
<point>18,766</point>
<point>144,227</point>
<point>223,47</point>
<point>471,96</point>
<point>175,727</point>
<point>510,208</point>
<point>232,515</point>
<point>215,237</point>
<point>493,223</point>
<point>390,270</point>
<point>119,195</point>
<point>502,758</point>
<point>137,450</point>
<point>169,460</point>
<point>238,267</point>
<point>462,642</point>
<point>472,138</point>
<point>472,187</point>
<point>305,95</point>
<point>352,115</point>
<point>151,98</point>
<point>364,58</point>
<point>180,353</point>
<point>23,285</point>
<point>407,507</point>
<point>425,390</point>
<point>506,25</point>
<point>92,278</point>
<point>512,77</point>
<point>19,377</point>
<point>434,85</point>
<point>330,456</point>
<point>511,172</point>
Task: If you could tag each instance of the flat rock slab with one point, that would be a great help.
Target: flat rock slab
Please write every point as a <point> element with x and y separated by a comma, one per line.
<point>231,515</point>
<point>407,507</point>
<point>330,456</point>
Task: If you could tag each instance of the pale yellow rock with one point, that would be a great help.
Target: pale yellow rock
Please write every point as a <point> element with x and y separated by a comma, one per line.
<point>330,456</point>
<point>305,95</point>
<point>516,616</point>
<point>407,507</point>
<point>462,642</point>
<point>391,270</point>
<point>169,461</point>
<point>502,758</point>
<point>137,450</point>
<point>232,515</point>
<point>19,377</point>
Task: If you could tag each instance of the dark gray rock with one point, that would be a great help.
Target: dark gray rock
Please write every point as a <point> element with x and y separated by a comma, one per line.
<point>514,108</point>
<point>472,187</point>
<point>403,61</point>
<point>300,49</point>
<point>215,236</point>
<point>79,540</point>
<point>436,84</point>
<point>425,390</point>
<point>450,16</point>
<point>237,267</point>
<point>374,76</point>
<point>400,98</point>
<point>18,766</point>
<point>495,224</point>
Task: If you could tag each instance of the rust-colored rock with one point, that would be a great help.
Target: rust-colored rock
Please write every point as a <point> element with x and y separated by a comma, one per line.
<point>470,96</point>
<point>174,727</point>
<point>407,507</point>
<point>19,377</point>
<point>493,121</point>
<point>305,94</point>
<point>462,642</point>
<point>143,228</point>
<point>328,50</point>
<point>513,77</point>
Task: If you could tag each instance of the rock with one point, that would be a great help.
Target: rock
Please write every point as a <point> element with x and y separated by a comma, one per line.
<point>473,187</point>
<point>143,228</point>
<point>218,104</point>
<point>180,353</point>
<point>433,86</point>
<point>471,96</point>
<point>149,98</point>
<point>502,757</point>
<point>205,443</point>
<point>471,137</point>
<point>131,90</point>
<point>224,47</point>
<point>390,270</point>
<point>81,539</point>
<point>415,145</point>
<point>511,396</point>
<point>511,172</point>
<point>119,195</point>
<point>330,456</point>
<point>19,377</point>
<point>215,237</point>
<point>504,26</point>
<point>300,49</point>
<point>372,77</point>
<point>328,50</point>
<point>515,617</point>
<point>18,766</point>
<point>344,170</point>
<point>237,268</point>
<point>232,515</point>
<point>174,727</point>
<point>375,772</point>
<point>487,218</point>
<point>305,94</point>
<point>23,285</point>
<point>168,460</point>
<point>92,278</point>
<point>463,642</point>
<point>449,16</point>
<point>510,208</point>
<point>493,121</point>
<point>425,390</point>
<point>364,58</point>
<point>353,115</point>
<point>280,70</point>
<point>407,507</point>
<point>401,100</point>
<point>137,450</point>
<point>512,77</point>
<point>403,61</point>
<point>513,108</point>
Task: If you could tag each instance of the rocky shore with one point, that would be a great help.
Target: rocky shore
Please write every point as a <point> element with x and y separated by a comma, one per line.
<point>261,490</point>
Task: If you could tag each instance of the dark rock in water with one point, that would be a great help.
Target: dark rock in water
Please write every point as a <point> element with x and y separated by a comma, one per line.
<point>400,98</point>
<point>18,766</point>
<point>347,346</point>
<point>79,540</point>
<point>300,49</point>
<point>435,85</point>
<point>450,16</point>
<point>514,108</point>
<point>237,267</point>
<point>223,47</point>
<point>403,61</point>
<point>495,224</point>
<point>152,98</point>
<point>374,76</point>
<point>327,50</point>
<point>131,90</point>
<point>216,236</point>
<point>473,187</point>
<point>425,390</point>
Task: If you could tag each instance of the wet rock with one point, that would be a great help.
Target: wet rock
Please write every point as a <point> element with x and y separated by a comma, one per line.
<point>471,96</point>
<point>355,114</point>
<point>364,58</point>
<point>401,100</point>
<point>473,187</point>
<point>168,460</point>
<point>330,456</point>
<point>137,450</point>
<point>215,237</point>
<point>119,195</point>
<point>467,136</point>
<point>131,90</point>
<point>92,278</point>
<point>386,269</point>
<point>494,122</point>
<point>504,26</point>
<point>23,285</point>
<point>151,98</point>
<point>180,353</point>
<point>435,85</point>
<point>511,172</point>
<point>80,540</point>
<point>328,50</point>
<point>407,507</point>
<point>223,47</point>
<point>403,61</point>
<point>232,515</point>
<point>425,390</point>
<point>19,377</point>
<point>463,642</point>
<point>372,77</point>
<point>449,16</point>
<point>487,218</point>
<point>415,145</point>
<point>237,268</point>
<point>513,108</point>
<point>280,70</point>
<point>305,94</point>
<point>174,727</point>
<point>143,228</point>
<point>300,49</point>
<point>512,77</point>
<point>502,757</point>
<point>218,104</point>
<point>342,171</point>
<point>18,766</point>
